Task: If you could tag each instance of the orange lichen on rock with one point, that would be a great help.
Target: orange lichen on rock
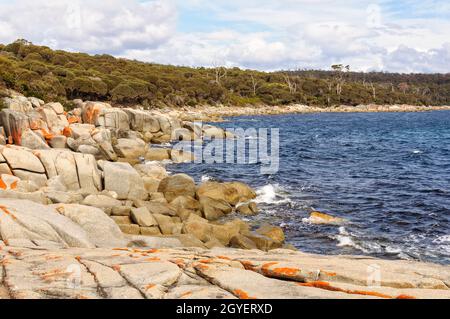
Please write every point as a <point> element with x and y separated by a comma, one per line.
<point>242,294</point>
<point>2,184</point>
<point>67,132</point>
<point>7,212</point>
<point>330,274</point>
<point>179,262</point>
<point>248,265</point>
<point>53,274</point>
<point>289,272</point>
<point>116,267</point>
<point>224,257</point>
<point>265,268</point>
<point>152,259</point>
<point>206,261</point>
<point>149,286</point>
<point>121,249</point>
<point>92,114</point>
<point>13,185</point>
<point>201,266</point>
<point>72,119</point>
<point>188,293</point>
<point>327,286</point>
<point>47,135</point>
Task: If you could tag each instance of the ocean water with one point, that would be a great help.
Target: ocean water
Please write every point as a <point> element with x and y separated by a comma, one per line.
<point>387,174</point>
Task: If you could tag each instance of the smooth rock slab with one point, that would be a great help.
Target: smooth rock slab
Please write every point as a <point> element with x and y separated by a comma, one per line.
<point>123,179</point>
<point>182,273</point>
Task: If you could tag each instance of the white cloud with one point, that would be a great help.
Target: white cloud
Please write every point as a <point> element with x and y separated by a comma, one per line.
<point>108,26</point>
<point>261,34</point>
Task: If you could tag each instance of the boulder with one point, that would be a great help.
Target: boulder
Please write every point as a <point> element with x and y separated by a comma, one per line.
<point>153,170</point>
<point>151,184</point>
<point>122,220</point>
<point>194,128</point>
<point>123,179</point>
<point>54,122</point>
<point>273,232</point>
<point>142,217</point>
<point>225,232</point>
<point>102,114</point>
<point>58,197</point>
<point>214,209</point>
<point>212,132</point>
<point>89,149</point>
<point>143,121</point>
<point>81,130</point>
<point>101,201</point>
<point>89,177</point>
<point>35,102</point>
<point>214,243</point>
<point>157,208</point>
<point>242,242</point>
<point>130,229</point>
<point>22,159</point>
<point>130,148</point>
<point>218,191</point>
<point>180,156</point>
<point>36,178</point>
<point>247,209</point>
<point>18,104</point>
<point>56,107</point>
<point>101,230</point>
<point>157,154</point>
<point>150,231</point>
<point>33,141</point>
<point>102,138</point>
<point>161,139</point>
<point>200,230</point>
<point>76,171</point>
<point>14,124</point>
<point>177,185</point>
<point>36,196</point>
<point>26,220</point>
<point>166,224</point>
<point>263,242</point>
<point>246,193</point>
<point>182,134</point>
<point>319,218</point>
<point>59,141</point>
<point>186,205</point>
<point>188,240</point>
<point>121,211</point>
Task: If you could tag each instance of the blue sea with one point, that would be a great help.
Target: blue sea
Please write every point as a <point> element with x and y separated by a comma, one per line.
<point>387,174</point>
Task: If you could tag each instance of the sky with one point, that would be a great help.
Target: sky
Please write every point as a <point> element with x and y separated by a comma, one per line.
<point>377,35</point>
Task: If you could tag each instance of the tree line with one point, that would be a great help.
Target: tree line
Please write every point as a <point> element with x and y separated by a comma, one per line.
<point>55,75</point>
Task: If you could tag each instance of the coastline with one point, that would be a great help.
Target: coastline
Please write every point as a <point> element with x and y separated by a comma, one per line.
<point>72,188</point>
<point>217,113</point>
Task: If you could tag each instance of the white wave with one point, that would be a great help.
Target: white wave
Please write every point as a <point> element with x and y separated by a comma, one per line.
<point>271,194</point>
<point>345,240</point>
<point>162,163</point>
<point>393,250</point>
<point>417,152</point>
<point>443,243</point>
<point>206,178</point>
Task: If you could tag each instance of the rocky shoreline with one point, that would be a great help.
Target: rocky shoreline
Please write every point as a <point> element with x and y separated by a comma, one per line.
<point>85,193</point>
<point>217,113</point>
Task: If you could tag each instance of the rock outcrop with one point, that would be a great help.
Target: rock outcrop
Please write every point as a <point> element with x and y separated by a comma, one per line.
<point>173,273</point>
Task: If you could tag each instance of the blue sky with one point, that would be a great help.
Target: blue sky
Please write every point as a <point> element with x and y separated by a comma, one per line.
<point>400,36</point>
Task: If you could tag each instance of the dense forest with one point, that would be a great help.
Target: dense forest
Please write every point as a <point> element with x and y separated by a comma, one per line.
<point>62,76</point>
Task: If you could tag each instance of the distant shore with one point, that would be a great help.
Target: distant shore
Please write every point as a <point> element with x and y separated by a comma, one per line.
<point>217,113</point>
